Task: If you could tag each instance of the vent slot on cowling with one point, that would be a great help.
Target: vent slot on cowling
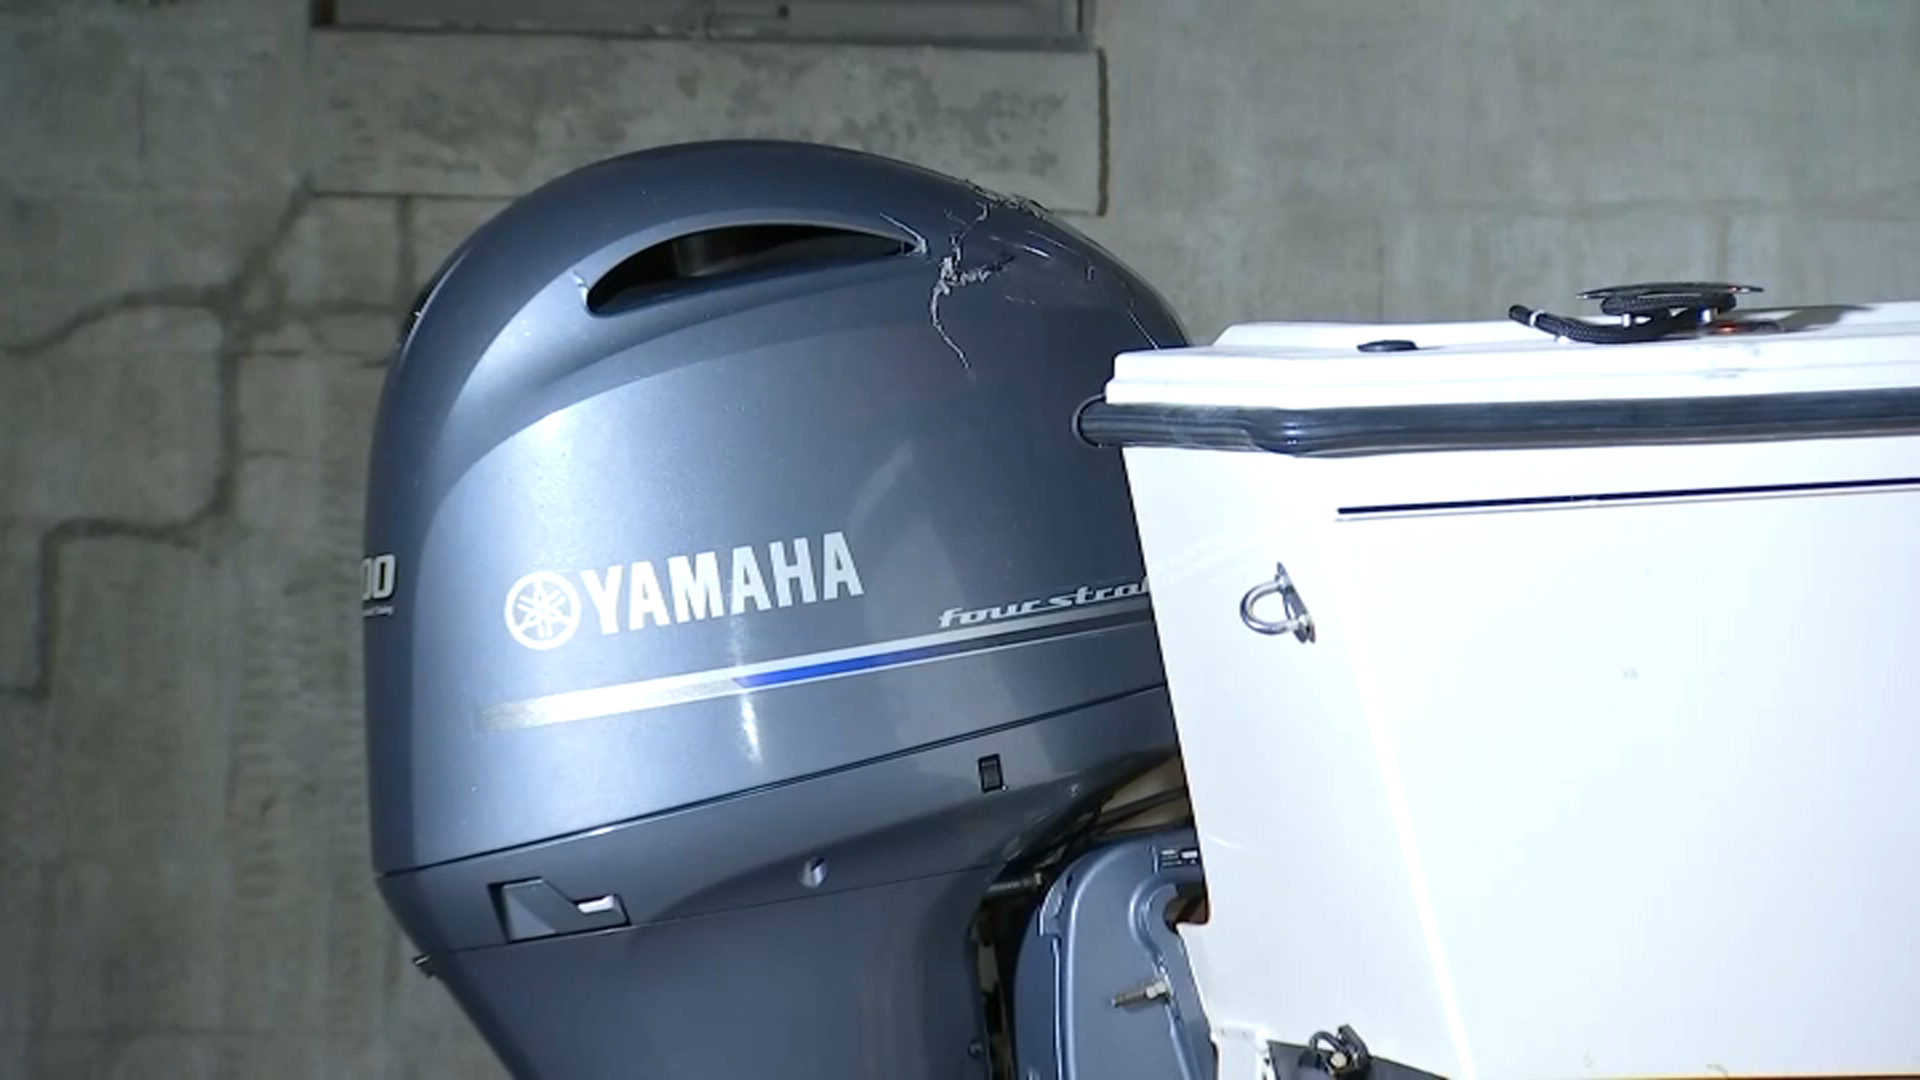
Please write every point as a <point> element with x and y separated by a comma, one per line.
<point>719,255</point>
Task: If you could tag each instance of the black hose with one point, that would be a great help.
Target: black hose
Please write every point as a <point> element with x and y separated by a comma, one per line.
<point>1652,329</point>
<point>1649,312</point>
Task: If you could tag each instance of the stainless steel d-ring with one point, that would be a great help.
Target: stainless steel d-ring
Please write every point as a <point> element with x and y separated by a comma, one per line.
<point>1299,621</point>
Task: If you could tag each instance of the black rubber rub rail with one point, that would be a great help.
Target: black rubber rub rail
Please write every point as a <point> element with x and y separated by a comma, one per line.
<point>1515,425</point>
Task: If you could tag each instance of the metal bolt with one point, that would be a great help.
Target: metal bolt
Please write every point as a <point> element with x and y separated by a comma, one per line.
<point>1140,995</point>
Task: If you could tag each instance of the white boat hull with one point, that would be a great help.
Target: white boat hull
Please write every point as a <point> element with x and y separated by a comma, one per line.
<point>1600,762</point>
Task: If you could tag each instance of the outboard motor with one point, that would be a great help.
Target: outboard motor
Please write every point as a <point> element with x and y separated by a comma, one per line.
<point>744,620</point>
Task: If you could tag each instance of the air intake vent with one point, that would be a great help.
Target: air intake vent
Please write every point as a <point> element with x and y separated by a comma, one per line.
<point>719,255</point>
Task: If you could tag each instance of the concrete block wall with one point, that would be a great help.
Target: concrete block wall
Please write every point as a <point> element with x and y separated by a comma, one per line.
<point>211,217</point>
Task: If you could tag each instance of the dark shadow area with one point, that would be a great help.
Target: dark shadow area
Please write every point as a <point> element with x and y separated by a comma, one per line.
<point>722,254</point>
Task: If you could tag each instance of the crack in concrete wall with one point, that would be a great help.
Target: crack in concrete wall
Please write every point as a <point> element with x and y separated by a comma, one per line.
<point>241,321</point>
<point>194,667</point>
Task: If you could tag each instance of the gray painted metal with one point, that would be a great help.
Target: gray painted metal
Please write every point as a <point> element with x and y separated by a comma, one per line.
<point>1101,934</point>
<point>520,433</point>
<point>734,965</point>
<point>749,850</point>
<point>851,986</point>
<point>833,483</point>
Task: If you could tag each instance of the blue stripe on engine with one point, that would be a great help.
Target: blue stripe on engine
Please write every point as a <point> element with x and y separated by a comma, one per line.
<point>851,664</point>
<point>1009,635</point>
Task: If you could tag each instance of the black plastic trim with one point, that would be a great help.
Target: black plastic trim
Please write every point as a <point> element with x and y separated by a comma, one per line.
<point>1286,1059</point>
<point>1516,425</point>
<point>1523,502</point>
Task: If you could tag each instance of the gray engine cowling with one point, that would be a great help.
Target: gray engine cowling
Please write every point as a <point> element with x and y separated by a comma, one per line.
<point>740,605</point>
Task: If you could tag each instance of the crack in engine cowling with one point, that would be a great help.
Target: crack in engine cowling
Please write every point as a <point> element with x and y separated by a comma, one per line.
<point>952,277</point>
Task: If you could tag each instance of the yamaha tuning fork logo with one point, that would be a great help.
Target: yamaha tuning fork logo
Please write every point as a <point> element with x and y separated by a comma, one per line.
<point>545,609</point>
